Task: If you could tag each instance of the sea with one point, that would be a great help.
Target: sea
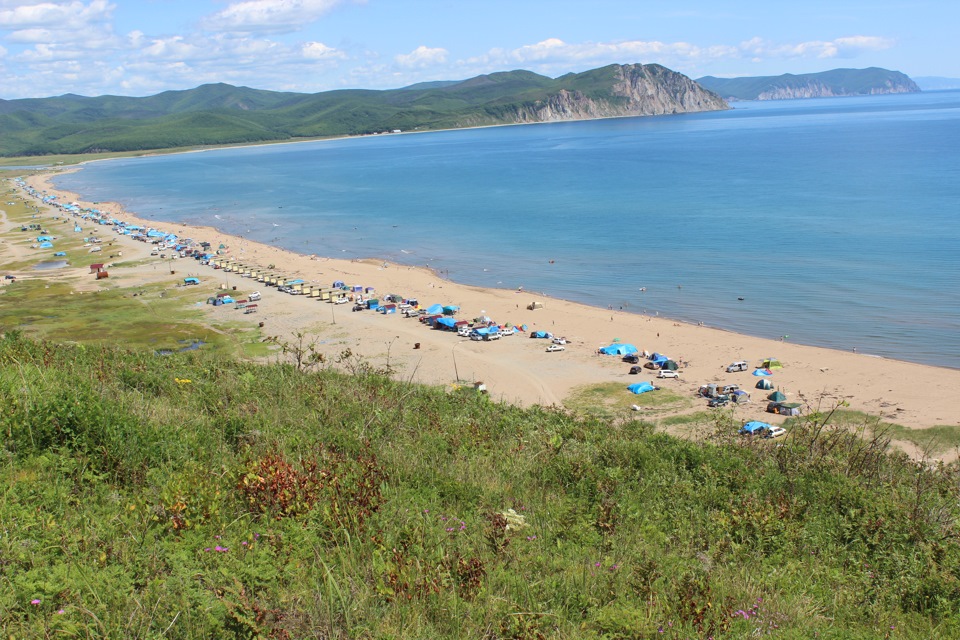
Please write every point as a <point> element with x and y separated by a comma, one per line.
<point>831,222</point>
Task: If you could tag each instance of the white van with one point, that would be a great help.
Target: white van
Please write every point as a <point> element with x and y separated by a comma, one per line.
<point>253,297</point>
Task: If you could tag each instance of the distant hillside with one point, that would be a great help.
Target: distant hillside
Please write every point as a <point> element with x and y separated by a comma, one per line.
<point>839,82</point>
<point>224,114</point>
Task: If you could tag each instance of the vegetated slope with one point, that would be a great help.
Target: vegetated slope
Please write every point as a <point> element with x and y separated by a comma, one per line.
<point>838,82</point>
<point>222,114</point>
<point>195,497</point>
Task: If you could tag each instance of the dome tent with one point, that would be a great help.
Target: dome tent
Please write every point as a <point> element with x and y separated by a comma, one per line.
<point>764,384</point>
<point>776,396</point>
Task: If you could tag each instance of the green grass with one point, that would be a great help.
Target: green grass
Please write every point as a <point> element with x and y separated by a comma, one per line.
<point>934,440</point>
<point>611,399</point>
<point>358,506</point>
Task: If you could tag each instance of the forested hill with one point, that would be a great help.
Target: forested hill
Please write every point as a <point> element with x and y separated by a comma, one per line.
<point>838,82</point>
<point>224,114</point>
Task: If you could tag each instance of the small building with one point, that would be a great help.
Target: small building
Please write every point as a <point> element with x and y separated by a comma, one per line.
<point>96,267</point>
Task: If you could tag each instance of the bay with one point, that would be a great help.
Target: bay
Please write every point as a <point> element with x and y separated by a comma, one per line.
<point>835,220</point>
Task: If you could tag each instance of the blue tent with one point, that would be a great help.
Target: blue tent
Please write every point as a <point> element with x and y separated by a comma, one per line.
<point>435,309</point>
<point>450,309</point>
<point>46,245</point>
<point>755,426</point>
<point>60,254</point>
<point>640,387</point>
<point>762,372</point>
<point>449,323</point>
<point>539,334</point>
<point>619,350</point>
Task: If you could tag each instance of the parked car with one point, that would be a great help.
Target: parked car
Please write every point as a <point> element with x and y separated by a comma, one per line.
<point>476,336</point>
<point>507,331</point>
<point>740,365</point>
<point>719,401</point>
<point>464,331</point>
<point>555,347</point>
<point>775,432</point>
<point>559,341</point>
<point>634,370</point>
<point>341,301</point>
<point>358,307</point>
<point>253,297</point>
<point>492,336</point>
<point>729,389</point>
<point>667,373</point>
<point>632,358</point>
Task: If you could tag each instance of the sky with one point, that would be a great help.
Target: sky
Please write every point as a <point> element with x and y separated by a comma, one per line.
<point>143,47</point>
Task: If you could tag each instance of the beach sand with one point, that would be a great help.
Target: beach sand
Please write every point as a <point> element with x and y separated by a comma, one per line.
<point>517,369</point>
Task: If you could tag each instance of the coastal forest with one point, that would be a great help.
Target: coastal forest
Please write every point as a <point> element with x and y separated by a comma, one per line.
<point>219,114</point>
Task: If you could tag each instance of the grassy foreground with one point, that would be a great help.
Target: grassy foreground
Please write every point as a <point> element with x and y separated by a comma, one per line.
<point>200,496</point>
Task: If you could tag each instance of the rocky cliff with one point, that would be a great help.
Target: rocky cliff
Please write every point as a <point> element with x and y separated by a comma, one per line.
<point>628,90</point>
<point>838,82</point>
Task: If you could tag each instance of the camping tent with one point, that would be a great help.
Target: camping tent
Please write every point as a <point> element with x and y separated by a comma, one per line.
<point>762,372</point>
<point>771,363</point>
<point>539,334</point>
<point>754,426</point>
<point>776,396</point>
<point>446,323</point>
<point>435,309</point>
<point>450,309</point>
<point>619,350</point>
<point>764,384</point>
<point>741,397</point>
<point>669,365</point>
<point>640,387</point>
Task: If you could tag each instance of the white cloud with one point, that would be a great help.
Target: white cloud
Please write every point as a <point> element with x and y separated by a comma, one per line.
<point>53,15</point>
<point>422,57</point>
<point>320,51</point>
<point>269,16</point>
<point>847,47</point>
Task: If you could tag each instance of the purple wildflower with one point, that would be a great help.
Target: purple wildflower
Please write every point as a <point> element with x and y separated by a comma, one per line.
<point>35,601</point>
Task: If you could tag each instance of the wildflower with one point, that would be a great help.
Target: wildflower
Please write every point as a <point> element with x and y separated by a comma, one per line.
<point>183,380</point>
<point>531,537</point>
<point>35,601</point>
<point>614,567</point>
<point>244,543</point>
<point>207,549</point>
<point>61,612</point>
<point>596,564</point>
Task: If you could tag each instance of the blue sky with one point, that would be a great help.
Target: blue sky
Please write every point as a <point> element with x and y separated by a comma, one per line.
<point>141,47</point>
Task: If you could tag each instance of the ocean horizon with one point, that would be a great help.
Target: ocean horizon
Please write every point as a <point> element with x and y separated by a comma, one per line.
<point>829,222</point>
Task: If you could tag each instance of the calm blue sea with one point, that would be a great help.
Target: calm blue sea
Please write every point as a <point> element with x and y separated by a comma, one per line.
<point>836,220</point>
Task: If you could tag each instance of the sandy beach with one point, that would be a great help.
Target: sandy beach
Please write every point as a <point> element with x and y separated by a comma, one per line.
<point>517,369</point>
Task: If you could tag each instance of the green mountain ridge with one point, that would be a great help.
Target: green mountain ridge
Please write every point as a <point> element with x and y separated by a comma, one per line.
<point>837,82</point>
<point>71,124</point>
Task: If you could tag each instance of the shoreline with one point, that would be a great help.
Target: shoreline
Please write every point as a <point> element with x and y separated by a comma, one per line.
<point>913,395</point>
